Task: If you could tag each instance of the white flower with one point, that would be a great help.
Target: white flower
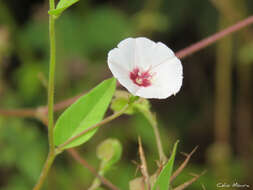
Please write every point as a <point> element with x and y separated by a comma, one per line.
<point>147,69</point>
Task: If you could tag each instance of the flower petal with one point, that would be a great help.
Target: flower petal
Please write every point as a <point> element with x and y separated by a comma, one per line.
<point>150,54</point>
<point>153,91</point>
<point>128,84</point>
<point>123,55</point>
<point>161,54</point>
<point>169,75</point>
<point>122,76</point>
<point>144,49</point>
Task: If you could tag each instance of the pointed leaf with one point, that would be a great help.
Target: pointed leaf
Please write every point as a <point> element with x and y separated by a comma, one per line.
<point>163,180</point>
<point>61,6</point>
<point>84,113</point>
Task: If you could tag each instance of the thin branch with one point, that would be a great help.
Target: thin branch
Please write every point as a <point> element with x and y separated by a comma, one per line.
<point>182,166</point>
<point>153,122</point>
<point>143,167</point>
<point>78,158</point>
<point>18,112</point>
<point>50,101</point>
<point>51,80</point>
<point>187,183</point>
<point>212,39</point>
<point>64,104</point>
<point>44,173</point>
<point>42,110</point>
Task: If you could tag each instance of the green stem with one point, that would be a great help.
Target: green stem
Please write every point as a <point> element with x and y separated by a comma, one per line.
<point>96,182</point>
<point>51,78</point>
<point>46,168</point>
<point>152,120</point>
<point>51,154</point>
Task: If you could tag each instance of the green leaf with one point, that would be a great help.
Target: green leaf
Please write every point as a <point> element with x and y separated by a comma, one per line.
<point>84,113</point>
<point>109,152</point>
<point>163,180</point>
<point>61,6</point>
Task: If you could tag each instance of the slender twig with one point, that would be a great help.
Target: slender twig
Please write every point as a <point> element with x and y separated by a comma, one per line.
<point>63,104</point>
<point>182,166</point>
<point>51,154</point>
<point>212,39</point>
<point>78,158</point>
<point>187,183</point>
<point>42,110</point>
<point>51,78</point>
<point>18,112</point>
<point>152,120</point>
<point>45,170</point>
<point>99,124</point>
<point>143,167</point>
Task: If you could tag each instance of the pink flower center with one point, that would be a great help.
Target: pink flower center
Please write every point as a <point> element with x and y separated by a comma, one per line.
<point>141,78</point>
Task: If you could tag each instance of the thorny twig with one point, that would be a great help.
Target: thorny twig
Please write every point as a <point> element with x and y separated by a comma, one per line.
<point>182,166</point>
<point>143,167</point>
<point>187,183</point>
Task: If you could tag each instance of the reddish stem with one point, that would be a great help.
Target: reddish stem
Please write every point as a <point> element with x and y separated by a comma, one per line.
<point>78,158</point>
<point>18,112</point>
<point>210,40</point>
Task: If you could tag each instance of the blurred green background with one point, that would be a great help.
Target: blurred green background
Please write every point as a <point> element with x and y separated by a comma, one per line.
<point>212,110</point>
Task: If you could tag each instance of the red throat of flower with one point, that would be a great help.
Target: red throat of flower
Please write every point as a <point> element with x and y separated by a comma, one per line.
<point>140,78</point>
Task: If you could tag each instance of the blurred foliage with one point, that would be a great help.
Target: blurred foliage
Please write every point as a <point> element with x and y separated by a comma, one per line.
<point>245,54</point>
<point>25,163</point>
<point>85,34</point>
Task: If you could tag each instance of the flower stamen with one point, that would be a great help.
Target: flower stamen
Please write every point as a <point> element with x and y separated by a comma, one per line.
<point>141,78</point>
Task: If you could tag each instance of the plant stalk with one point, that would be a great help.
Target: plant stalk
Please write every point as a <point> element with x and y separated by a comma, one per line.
<point>152,120</point>
<point>45,170</point>
<point>51,154</point>
<point>51,78</point>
